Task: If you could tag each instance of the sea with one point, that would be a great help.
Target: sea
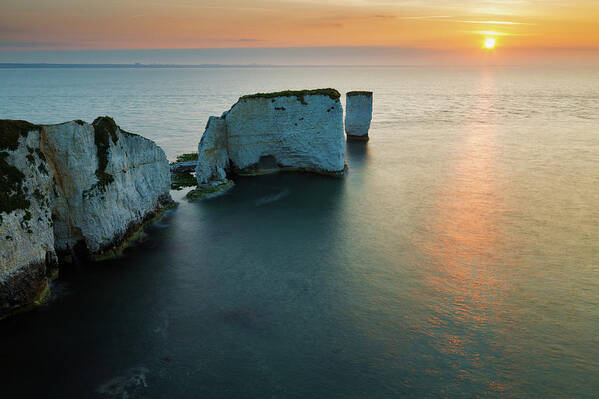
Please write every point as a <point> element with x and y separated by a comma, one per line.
<point>459,256</point>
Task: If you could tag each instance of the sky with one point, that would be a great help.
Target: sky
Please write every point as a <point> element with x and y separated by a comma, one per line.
<point>280,31</point>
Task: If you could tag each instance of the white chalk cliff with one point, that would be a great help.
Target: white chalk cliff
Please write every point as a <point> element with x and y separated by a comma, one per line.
<point>26,234</point>
<point>107,180</point>
<point>358,115</point>
<point>70,188</point>
<point>213,154</point>
<point>293,130</point>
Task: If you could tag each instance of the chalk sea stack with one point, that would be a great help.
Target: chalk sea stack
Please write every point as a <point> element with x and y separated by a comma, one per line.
<point>289,130</point>
<point>358,114</point>
<point>67,191</point>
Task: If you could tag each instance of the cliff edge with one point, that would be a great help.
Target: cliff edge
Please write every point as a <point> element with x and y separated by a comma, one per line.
<point>70,190</point>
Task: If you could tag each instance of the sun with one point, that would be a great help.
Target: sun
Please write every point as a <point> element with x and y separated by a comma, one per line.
<point>490,43</point>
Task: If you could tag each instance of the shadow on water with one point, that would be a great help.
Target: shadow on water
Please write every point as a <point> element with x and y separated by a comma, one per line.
<point>235,295</point>
<point>357,154</point>
<point>357,151</point>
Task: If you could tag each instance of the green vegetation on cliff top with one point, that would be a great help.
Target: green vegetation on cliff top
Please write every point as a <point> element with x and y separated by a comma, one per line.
<point>12,193</point>
<point>190,156</point>
<point>10,131</point>
<point>359,93</point>
<point>300,94</point>
<point>104,130</point>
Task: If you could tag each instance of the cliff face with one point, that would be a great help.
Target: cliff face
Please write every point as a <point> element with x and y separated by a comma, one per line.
<point>108,182</point>
<point>72,186</point>
<point>290,130</point>
<point>26,235</point>
<point>358,115</point>
<point>213,155</point>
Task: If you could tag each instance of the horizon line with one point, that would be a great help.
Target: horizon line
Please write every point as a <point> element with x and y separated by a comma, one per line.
<point>458,49</point>
<point>44,65</point>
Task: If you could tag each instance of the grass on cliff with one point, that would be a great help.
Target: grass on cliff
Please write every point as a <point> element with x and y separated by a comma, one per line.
<point>12,192</point>
<point>359,93</point>
<point>300,94</point>
<point>104,130</point>
<point>190,156</point>
<point>10,131</point>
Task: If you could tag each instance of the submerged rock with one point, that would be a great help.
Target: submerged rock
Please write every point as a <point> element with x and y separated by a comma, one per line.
<point>291,130</point>
<point>358,114</point>
<point>210,190</point>
<point>70,189</point>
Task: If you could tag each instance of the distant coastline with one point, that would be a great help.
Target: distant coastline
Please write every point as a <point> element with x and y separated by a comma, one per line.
<point>9,65</point>
<point>42,65</point>
<point>16,65</point>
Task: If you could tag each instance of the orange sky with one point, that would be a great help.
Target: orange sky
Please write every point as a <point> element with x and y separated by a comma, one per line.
<point>431,24</point>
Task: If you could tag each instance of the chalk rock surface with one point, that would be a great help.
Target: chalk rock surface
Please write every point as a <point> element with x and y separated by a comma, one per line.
<point>108,182</point>
<point>72,188</point>
<point>213,155</point>
<point>27,251</point>
<point>358,115</point>
<point>291,130</point>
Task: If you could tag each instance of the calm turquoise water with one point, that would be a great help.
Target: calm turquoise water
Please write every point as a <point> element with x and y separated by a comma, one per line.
<point>459,257</point>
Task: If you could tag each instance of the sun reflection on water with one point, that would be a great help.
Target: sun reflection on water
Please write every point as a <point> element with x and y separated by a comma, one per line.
<point>463,245</point>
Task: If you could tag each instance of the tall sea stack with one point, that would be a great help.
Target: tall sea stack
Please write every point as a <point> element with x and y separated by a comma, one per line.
<point>358,114</point>
<point>289,130</point>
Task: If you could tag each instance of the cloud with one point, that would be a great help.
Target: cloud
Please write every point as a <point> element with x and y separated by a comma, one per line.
<point>354,17</point>
<point>449,18</point>
<point>425,17</point>
<point>491,33</point>
<point>232,40</point>
<point>493,22</point>
<point>338,21</point>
